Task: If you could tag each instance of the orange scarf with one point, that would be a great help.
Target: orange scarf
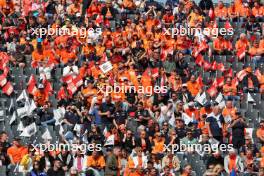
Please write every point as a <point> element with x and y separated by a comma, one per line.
<point>232,163</point>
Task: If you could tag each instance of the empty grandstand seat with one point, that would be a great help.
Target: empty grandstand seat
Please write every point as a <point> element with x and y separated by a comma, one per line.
<point>20,82</point>
<point>252,115</point>
<point>57,85</point>
<point>53,100</point>
<point>2,114</point>
<point>58,73</point>
<point>30,70</point>
<point>16,71</point>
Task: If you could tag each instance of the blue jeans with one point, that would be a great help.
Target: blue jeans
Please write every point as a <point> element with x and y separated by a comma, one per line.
<point>48,122</point>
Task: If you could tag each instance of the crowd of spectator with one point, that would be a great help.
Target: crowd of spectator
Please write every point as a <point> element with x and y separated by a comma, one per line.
<point>131,44</point>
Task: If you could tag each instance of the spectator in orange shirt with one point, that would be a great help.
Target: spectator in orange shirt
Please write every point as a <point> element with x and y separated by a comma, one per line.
<point>96,161</point>
<point>158,146</point>
<point>258,11</point>
<point>41,96</point>
<point>38,55</point>
<point>232,12</point>
<point>221,11</point>
<point>129,4</point>
<point>67,54</point>
<point>242,43</point>
<point>260,132</point>
<point>192,112</point>
<point>256,52</point>
<point>94,8</point>
<point>193,86</point>
<point>16,151</point>
<point>222,46</point>
<point>74,8</point>
<point>229,110</point>
<point>229,90</point>
<point>244,12</point>
<point>7,7</point>
<point>168,18</point>
<point>194,17</point>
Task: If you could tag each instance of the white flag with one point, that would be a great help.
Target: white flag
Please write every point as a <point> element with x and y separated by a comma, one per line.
<point>32,107</point>
<point>29,130</point>
<point>22,112</point>
<point>249,132</point>
<point>106,67</point>
<point>187,119</point>
<point>201,98</point>
<point>221,105</point>
<point>105,131</point>
<point>77,128</point>
<point>61,130</point>
<point>58,115</point>
<point>13,118</point>
<point>250,99</point>
<point>219,98</point>
<point>110,140</point>
<point>20,126</point>
<point>2,113</point>
<point>11,105</point>
<point>46,135</point>
<point>22,96</point>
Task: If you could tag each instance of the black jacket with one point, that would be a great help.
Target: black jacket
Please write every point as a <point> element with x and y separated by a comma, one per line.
<point>42,162</point>
<point>188,96</point>
<point>206,4</point>
<point>139,144</point>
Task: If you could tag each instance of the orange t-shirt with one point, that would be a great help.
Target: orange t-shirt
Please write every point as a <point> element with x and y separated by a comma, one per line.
<point>241,45</point>
<point>41,97</point>
<point>194,88</point>
<point>260,133</point>
<point>244,11</point>
<point>128,4</point>
<point>258,11</point>
<point>201,125</point>
<point>232,11</point>
<point>221,12</point>
<point>229,90</point>
<point>158,146</point>
<point>255,51</point>
<point>229,112</point>
<point>39,57</point>
<point>17,153</point>
<point>73,9</point>
<point>130,167</point>
<point>66,56</point>
<point>2,3</point>
<point>190,112</point>
<point>89,92</point>
<point>98,162</point>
